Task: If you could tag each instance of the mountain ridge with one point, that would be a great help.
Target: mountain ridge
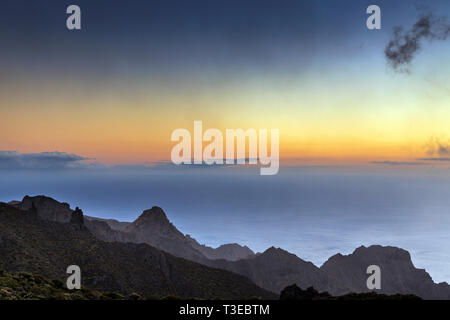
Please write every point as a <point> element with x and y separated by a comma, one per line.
<point>152,227</point>
<point>44,247</point>
<point>275,268</point>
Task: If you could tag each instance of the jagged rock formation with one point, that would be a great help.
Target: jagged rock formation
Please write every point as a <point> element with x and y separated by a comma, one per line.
<point>47,248</point>
<point>77,218</point>
<point>151,227</point>
<point>398,274</point>
<point>275,269</point>
<point>272,270</point>
<point>47,208</point>
<point>154,228</point>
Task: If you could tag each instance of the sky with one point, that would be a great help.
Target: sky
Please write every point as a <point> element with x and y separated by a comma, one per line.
<point>86,118</point>
<point>114,91</point>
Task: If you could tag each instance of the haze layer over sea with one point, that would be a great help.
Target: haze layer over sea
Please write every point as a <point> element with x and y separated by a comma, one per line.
<point>313,212</point>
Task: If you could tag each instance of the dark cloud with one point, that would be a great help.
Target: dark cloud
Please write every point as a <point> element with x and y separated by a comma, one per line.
<point>43,160</point>
<point>398,163</point>
<point>401,50</point>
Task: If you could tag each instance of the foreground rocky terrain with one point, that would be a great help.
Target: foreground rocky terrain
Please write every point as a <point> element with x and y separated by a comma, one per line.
<point>28,286</point>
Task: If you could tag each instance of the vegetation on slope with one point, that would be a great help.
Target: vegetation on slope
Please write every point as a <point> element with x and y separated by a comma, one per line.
<point>47,248</point>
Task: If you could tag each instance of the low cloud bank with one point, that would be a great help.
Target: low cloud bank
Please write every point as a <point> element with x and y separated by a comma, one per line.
<point>42,160</point>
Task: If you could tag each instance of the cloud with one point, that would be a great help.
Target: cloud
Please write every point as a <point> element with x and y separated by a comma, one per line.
<point>203,164</point>
<point>62,160</point>
<point>434,159</point>
<point>404,46</point>
<point>437,148</point>
<point>398,163</point>
<point>43,160</point>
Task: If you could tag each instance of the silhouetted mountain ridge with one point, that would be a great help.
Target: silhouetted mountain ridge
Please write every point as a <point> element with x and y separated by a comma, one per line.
<point>230,251</point>
<point>151,227</point>
<point>44,247</point>
<point>274,269</point>
<point>398,273</point>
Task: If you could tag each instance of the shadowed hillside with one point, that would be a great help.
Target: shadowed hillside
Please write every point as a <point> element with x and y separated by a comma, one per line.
<point>272,270</point>
<point>44,247</point>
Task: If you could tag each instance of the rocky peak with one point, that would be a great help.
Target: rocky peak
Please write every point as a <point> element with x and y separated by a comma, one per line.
<point>77,217</point>
<point>153,222</point>
<point>347,273</point>
<point>46,208</point>
<point>153,227</point>
<point>153,215</point>
<point>373,253</point>
<point>276,253</point>
<point>383,252</point>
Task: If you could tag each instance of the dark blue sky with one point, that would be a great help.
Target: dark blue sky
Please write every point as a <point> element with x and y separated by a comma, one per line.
<point>181,34</point>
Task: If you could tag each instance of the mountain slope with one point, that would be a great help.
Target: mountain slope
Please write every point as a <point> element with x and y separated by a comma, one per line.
<point>151,227</point>
<point>44,247</point>
<point>398,274</point>
<point>112,223</point>
<point>154,228</point>
<point>28,286</point>
<point>274,269</point>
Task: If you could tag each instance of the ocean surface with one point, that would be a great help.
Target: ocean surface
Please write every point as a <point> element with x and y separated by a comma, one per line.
<point>313,212</point>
